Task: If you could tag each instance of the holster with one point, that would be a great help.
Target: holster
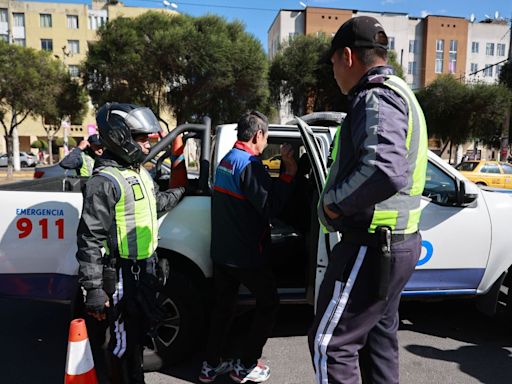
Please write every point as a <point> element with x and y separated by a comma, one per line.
<point>381,241</point>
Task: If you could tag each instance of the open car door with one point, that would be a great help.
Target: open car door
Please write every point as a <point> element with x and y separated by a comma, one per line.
<point>318,153</point>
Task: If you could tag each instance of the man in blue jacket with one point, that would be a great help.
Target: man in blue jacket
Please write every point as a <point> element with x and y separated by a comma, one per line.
<point>82,157</point>
<point>372,196</point>
<point>244,200</point>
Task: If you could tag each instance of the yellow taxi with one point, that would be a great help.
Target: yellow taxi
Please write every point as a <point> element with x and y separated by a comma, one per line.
<point>484,172</point>
<point>272,164</point>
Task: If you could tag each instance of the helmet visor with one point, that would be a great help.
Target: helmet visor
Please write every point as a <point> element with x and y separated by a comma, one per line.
<point>142,120</point>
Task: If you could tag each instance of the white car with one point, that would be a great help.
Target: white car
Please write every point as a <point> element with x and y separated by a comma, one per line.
<point>26,160</point>
<point>465,229</point>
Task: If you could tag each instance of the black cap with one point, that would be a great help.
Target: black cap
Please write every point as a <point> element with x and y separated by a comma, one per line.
<point>94,140</point>
<point>361,31</point>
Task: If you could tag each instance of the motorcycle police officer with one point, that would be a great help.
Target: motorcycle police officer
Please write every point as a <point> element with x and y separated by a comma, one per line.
<point>82,157</point>
<point>119,213</point>
<point>372,195</point>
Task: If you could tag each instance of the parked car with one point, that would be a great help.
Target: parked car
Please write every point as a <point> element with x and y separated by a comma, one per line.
<point>26,160</point>
<point>272,164</point>
<point>489,173</point>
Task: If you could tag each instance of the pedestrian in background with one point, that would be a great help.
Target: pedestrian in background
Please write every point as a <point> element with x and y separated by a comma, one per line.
<point>372,196</point>
<point>244,199</point>
<point>120,208</point>
<point>82,157</point>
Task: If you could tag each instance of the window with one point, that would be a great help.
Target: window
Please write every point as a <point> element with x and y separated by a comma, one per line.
<point>391,42</point>
<point>20,42</point>
<point>452,64</point>
<point>439,186</point>
<point>73,70</point>
<point>488,71</point>
<point>507,168</point>
<point>498,70</point>
<point>411,68</point>
<point>320,34</point>
<point>96,21</point>
<point>467,166</point>
<point>500,50</point>
<point>47,45</point>
<point>474,67</point>
<point>3,15</point>
<point>73,46</point>
<point>45,20</point>
<point>490,168</point>
<point>489,49</point>
<point>439,56</point>
<point>19,19</point>
<point>412,46</point>
<point>474,47</point>
<point>72,21</point>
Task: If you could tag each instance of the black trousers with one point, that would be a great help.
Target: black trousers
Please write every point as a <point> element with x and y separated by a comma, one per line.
<point>133,311</point>
<point>262,284</point>
<point>350,315</point>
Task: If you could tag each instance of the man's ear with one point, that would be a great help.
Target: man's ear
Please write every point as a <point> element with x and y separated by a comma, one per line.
<point>255,137</point>
<point>347,56</point>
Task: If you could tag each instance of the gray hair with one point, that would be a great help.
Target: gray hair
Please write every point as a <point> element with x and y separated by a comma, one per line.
<point>250,123</point>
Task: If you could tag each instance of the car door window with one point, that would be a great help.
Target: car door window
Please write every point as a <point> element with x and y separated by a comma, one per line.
<point>490,168</point>
<point>439,186</point>
<point>507,168</point>
<point>467,166</point>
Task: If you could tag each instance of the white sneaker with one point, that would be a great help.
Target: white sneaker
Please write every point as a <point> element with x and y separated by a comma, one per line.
<point>209,373</point>
<point>258,373</point>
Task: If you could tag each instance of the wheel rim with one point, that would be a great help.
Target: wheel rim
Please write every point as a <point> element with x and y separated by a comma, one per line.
<point>169,328</point>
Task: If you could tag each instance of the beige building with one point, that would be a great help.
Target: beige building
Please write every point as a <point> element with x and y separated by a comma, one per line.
<point>65,30</point>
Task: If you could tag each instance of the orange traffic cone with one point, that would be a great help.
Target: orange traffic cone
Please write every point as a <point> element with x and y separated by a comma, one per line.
<point>178,167</point>
<point>79,362</point>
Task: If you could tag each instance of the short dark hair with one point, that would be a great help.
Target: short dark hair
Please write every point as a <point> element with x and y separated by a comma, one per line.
<point>368,56</point>
<point>250,123</point>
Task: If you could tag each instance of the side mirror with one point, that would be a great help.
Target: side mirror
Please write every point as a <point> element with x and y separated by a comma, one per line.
<point>464,199</point>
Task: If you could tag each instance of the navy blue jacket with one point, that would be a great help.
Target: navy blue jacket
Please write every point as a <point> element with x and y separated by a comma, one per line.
<point>244,199</point>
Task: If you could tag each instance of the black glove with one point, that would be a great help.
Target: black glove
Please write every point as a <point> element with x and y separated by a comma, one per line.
<point>95,300</point>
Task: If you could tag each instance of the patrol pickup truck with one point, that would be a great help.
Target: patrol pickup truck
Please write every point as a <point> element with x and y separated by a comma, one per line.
<point>465,229</point>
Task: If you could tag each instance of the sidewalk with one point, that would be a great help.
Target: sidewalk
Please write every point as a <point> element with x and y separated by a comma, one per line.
<point>25,174</point>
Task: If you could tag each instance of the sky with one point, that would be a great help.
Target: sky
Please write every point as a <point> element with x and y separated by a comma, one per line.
<point>258,15</point>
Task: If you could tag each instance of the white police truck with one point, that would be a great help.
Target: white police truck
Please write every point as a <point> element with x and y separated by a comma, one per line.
<point>466,250</point>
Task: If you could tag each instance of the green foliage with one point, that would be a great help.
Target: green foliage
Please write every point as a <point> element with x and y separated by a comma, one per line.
<point>393,62</point>
<point>458,112</point>
<point>295,73</point>
<point>189,66</point>
<point>506,75</point>
<point>39,144</point>
<point>59,142</point>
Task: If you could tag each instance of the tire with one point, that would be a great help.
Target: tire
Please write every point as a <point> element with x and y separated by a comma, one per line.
<point>24,164</point>
<point>178,337</point>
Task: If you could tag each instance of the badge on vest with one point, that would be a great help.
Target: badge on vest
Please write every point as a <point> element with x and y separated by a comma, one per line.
<point>138,194</point>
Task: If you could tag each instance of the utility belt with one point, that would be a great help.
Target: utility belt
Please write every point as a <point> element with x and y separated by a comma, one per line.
<point>381,240</point>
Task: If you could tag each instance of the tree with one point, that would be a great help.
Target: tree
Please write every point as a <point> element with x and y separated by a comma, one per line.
<point>392,61</point>
<point>506,75</point>
<point>28,83</point>
<point>189,66</point>
<point>296,74</point>
<point>457,112</point>
<point>69,106</point>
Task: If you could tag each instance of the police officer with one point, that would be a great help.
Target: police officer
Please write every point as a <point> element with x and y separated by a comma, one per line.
<point>82,157</point>
<point>372,196</point>
<point>119,213</point>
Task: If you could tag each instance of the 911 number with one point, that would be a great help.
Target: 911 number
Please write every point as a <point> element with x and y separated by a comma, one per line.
<point>25,227</point>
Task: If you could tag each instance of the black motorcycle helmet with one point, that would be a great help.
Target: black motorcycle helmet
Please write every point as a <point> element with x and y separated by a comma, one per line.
<point>119,123</point>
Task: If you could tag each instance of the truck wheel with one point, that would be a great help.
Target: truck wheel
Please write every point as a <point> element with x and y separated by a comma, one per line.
<point>178,336</point>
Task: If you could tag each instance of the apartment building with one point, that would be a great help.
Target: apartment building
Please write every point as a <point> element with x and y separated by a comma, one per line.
<point>425,46</point>
<point>65,30</point>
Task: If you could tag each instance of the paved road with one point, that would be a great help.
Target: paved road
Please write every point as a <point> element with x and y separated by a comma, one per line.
<point>439,343</point>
